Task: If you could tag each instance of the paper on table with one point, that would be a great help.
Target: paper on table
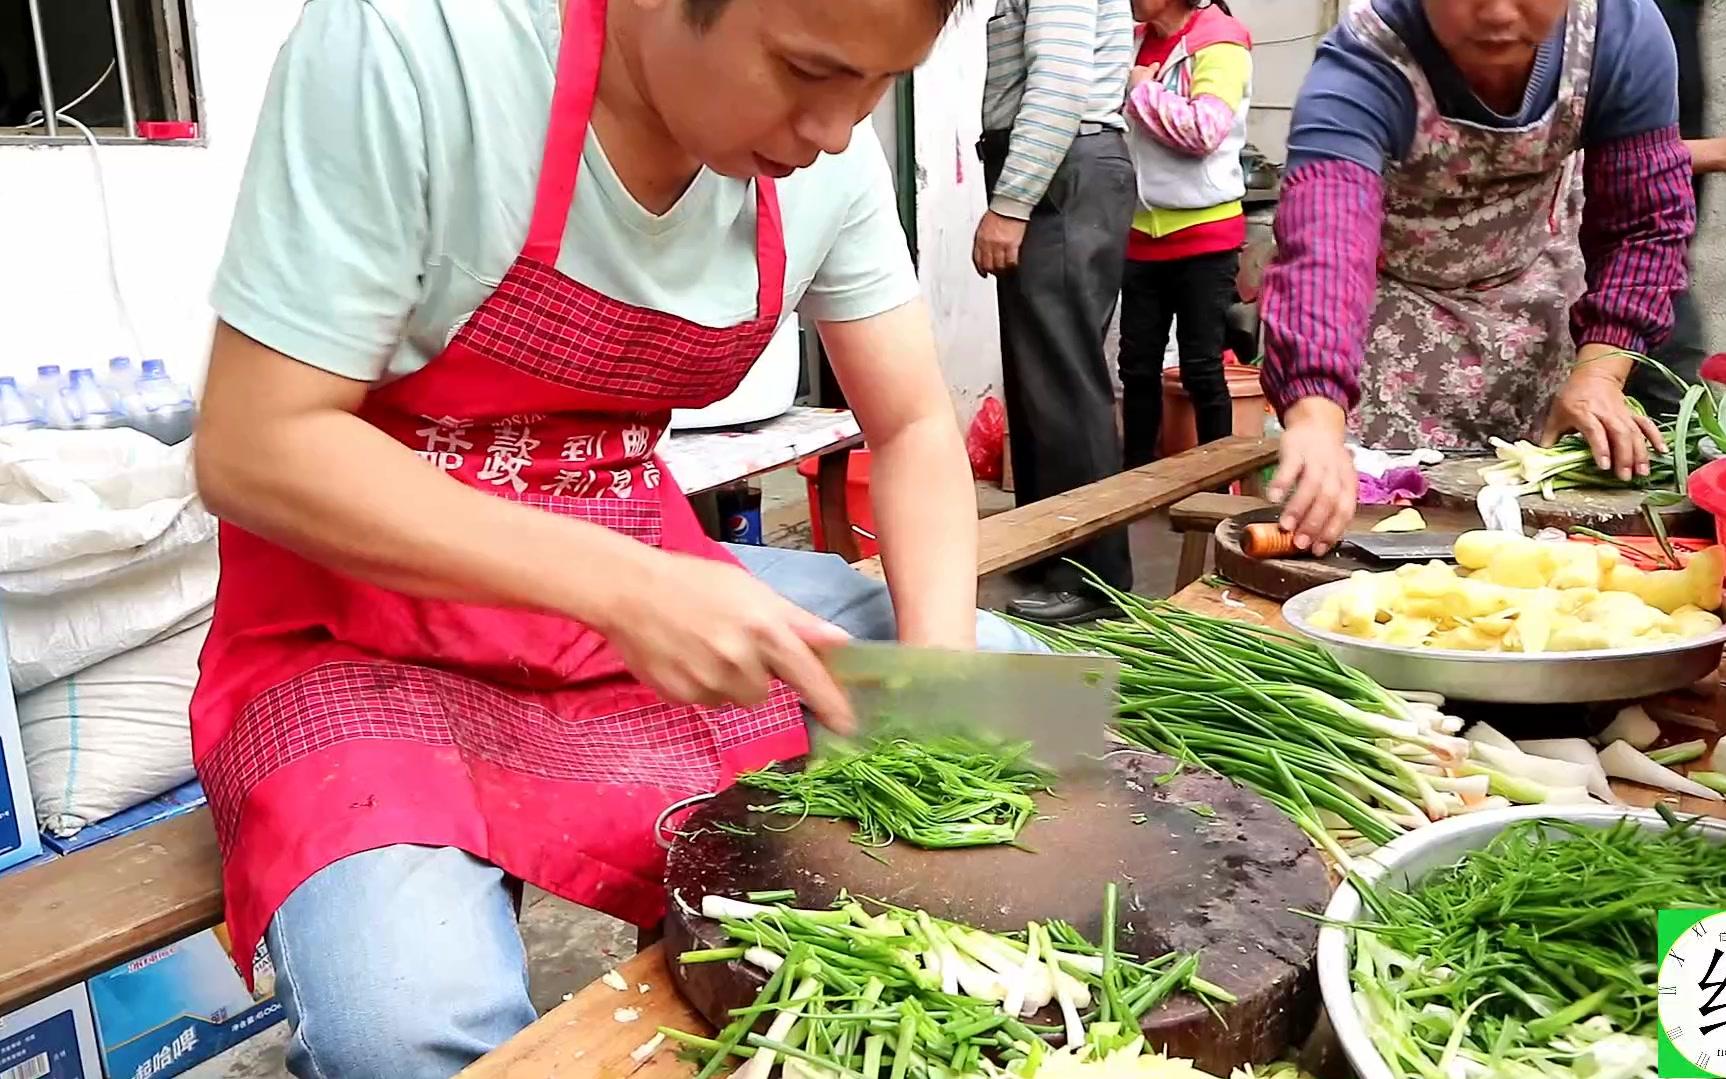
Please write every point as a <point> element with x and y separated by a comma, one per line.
<point>1500,509</point>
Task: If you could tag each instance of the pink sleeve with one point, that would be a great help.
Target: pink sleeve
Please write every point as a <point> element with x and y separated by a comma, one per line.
<point>1316,306</point>
<point>1196,127</point>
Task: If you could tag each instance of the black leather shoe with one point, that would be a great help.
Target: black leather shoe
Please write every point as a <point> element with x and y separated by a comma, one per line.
<point>1061,608</point>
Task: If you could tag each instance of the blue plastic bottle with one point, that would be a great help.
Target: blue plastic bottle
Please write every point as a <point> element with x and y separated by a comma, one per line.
<point>170,412</point>
<point>51,399</point>
<point>97,408</point>
<point>15,408</point>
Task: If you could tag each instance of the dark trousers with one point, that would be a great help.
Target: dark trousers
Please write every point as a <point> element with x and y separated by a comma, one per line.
<point>1055,312</point>
<point>1195,294</point>
<point>1682,353</point>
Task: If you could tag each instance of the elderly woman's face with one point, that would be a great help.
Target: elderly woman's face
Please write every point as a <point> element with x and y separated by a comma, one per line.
<point>1493,33</point>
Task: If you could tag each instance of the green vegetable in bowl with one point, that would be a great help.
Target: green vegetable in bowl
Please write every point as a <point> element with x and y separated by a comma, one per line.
<point>1533,956</point>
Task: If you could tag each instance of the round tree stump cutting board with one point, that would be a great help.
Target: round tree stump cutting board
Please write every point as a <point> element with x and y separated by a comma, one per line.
<point>1284,578</point>
<point>1456,482</point>
<point>1227,887</point>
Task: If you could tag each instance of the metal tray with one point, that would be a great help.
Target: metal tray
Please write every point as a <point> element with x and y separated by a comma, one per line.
<point>1512,677</point>
<point>1406,861</point>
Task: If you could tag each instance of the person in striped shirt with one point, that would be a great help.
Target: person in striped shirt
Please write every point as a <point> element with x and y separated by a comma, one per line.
<point>1449,268</point>
<point>1054,236</point>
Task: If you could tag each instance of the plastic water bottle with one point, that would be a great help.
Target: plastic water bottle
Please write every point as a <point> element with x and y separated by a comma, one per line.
<point>51,398</point>
<point>122,386</point>
<point>170,412</point>
<point>95,408</point>
<point>15,408</point>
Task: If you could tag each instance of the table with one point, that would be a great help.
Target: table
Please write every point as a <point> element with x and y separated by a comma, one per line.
<point>582,1040</point>
<point>704,461</point>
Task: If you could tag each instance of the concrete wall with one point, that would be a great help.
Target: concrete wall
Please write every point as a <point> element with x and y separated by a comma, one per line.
<point>1710,247</point>
<point>170,212</point>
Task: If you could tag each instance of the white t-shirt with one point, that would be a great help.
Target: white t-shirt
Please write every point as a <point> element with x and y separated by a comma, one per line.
<point>392,178</point>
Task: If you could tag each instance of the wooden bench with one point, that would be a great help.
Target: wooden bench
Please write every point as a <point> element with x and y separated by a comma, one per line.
<point>63,922</point>
<point>1195,520</point>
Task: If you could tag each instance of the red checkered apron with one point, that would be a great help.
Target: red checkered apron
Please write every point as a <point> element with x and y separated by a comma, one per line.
<point>335,717</point>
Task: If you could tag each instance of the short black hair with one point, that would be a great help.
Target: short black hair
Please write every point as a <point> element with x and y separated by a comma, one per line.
<point>703,12</point>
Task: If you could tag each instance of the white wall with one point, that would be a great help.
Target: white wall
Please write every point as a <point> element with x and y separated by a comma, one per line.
<point>950,200</point>
<point>170,208</point>
<point>1285,33</point>
<point>1709,249</point>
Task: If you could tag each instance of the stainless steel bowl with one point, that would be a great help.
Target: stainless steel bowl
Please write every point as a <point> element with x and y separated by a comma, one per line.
<point>1404,863</point>
<point>1512,677</point>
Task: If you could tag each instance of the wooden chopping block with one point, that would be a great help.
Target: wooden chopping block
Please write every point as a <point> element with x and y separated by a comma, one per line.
<point>1227,887</point>
<point>1456,482</point>
<point>1284,578</point>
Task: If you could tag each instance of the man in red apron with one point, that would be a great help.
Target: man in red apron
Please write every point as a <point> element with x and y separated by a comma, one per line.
<point>468,628</point>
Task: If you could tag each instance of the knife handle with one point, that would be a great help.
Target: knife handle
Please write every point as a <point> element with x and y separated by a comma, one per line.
<point>1268,541</point>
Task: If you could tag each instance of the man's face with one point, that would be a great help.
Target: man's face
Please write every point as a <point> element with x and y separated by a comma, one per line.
<point>1486,34</point>
<point>770,84</point>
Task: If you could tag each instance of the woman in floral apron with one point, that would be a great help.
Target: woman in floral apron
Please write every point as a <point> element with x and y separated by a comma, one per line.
<point>468,629</point>
<point>1487,204</point>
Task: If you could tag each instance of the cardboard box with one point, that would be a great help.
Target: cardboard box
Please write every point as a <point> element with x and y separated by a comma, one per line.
<point>182,799</point>
<point>54,1038</point>
<point>175,1008</point>
<point>19,840</point>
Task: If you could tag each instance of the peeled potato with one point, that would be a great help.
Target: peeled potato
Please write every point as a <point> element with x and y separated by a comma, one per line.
<point>1474,550</point>
<point>1580,637</point>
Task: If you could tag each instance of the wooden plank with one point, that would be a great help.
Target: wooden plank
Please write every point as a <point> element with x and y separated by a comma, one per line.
<point>1206,510</point>
<point>1195,555</point>
<point>1032,533</point>
<point>582,1039</point>
<point>833,477</point>
<point>81,915</point>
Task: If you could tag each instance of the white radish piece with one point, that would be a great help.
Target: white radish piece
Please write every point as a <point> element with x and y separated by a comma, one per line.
<point>1633,726</point>
<point>1575,751</point>
<point>1542,770</point>
<point>614,980</point>
<point>1487,804</point>
<point>1717,759</point>
<point>1567,796</point>
<point>1487,734</point>
<point>760,1066</point>
<point>1624,761</point>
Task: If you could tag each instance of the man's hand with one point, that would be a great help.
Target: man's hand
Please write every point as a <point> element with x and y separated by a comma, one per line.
<point>1592,404</point>
<point>1319,471</point>
<point>1141,75</point>
<point>996,249</point>
<point>707,633</point>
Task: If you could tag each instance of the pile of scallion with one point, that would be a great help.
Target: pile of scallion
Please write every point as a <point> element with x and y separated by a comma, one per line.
<point>1570,463</point>
<point>941,793</point>
<point>1353,764</point>
<point>1531,957</point>
<point>902,995</point>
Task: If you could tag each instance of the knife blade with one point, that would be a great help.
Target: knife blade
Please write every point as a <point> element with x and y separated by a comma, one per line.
<point>1061,704</point>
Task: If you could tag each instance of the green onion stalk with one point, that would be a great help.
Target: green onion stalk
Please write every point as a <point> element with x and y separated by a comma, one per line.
<point>1570,463</point>
<point>901,993</point>
<point>942,793</point>
<point>1533,956</point>
<point>1350,762</point>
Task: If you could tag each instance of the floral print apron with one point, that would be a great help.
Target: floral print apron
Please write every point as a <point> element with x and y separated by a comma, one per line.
<point>1479,262</point>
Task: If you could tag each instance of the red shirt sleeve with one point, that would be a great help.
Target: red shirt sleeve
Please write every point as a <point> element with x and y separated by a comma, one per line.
<point>1318,292</point>
<point>1636,227</point>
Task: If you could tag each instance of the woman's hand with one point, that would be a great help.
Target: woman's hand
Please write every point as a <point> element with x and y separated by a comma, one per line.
<point>1141,75</point>
<point>1316,475</point>
<point>707,633</point>
<point>1592,404</point>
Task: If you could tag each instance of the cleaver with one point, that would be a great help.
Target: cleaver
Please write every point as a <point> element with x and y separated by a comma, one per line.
<point>1060,704</point>
<point>1404,546</point>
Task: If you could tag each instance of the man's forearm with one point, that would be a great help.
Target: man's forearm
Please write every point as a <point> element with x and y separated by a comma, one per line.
<point>926,517</point>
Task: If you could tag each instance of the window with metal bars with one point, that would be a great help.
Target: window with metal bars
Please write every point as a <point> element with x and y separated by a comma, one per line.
<point>124,70</point>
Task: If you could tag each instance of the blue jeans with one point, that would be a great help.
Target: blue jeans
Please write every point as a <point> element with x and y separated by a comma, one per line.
<point>405,962</point>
